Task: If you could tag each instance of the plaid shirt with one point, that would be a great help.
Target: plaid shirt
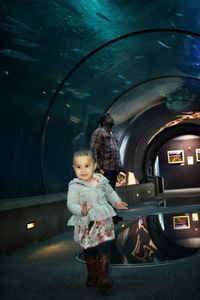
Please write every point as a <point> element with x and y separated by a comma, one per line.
<point>105,147</point>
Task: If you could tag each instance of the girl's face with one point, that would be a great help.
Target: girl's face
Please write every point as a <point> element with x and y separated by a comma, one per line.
<point>84,167</point>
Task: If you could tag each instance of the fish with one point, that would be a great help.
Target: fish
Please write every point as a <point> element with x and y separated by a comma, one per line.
<point>195,47</point>
<point>179,14</point>
<point>79,51</point>
<point>25,43</point>
<point>121,76</point>
<point>164,45</point>
<point>18,55</point>
<point>189,36</point>
<point>102,16</point>
<point>61,92</point>
<point>173,24</point>
<point>20,25</point>
<point>128,82</point>
<point>139,57</point>
<point>12,29</point>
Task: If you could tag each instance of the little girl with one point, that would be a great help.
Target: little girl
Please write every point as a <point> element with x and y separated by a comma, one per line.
<point>88,200</point>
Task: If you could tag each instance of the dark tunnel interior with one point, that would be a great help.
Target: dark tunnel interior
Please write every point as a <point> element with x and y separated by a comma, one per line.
<point>65,63</point>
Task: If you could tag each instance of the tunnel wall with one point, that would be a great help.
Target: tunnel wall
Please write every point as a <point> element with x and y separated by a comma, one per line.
<point>180,175</point>
<point>48,211</point>
<point>50,214</point>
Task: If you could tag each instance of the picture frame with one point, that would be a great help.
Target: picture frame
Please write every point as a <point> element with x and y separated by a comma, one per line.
<point>198,155</point>
<point>175,156</point>
<point>181,222</point>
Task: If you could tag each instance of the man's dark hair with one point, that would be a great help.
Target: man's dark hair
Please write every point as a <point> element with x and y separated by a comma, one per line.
<point>102,119</point>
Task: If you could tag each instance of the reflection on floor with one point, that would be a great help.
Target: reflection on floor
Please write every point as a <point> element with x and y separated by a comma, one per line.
<point>164,230</point>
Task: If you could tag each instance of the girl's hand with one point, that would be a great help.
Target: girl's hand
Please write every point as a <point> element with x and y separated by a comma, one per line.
<point>85,209</point>
<point>121,205</point>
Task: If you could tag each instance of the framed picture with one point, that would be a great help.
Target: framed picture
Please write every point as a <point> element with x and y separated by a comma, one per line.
<point>175,156</point>
<point>181,222</point>
<point>197,154</point>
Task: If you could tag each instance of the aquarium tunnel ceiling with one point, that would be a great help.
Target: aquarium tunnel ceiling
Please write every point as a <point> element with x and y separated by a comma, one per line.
<point>64,63</point>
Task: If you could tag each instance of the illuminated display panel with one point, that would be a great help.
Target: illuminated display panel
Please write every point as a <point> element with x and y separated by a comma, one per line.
<point>181,222</point>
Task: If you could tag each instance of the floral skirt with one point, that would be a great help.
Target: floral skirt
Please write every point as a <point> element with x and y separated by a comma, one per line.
<point>101,231</point>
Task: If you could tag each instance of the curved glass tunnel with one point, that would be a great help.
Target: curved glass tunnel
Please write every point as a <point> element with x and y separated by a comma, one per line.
<point>63,64</point>
<point>61,71</point>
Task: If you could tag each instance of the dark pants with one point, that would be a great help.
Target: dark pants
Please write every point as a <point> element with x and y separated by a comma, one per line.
<point>111,176</point>
<point>103,248</point>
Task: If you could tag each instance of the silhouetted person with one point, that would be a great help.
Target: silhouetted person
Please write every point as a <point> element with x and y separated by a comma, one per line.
<point>105,147</point>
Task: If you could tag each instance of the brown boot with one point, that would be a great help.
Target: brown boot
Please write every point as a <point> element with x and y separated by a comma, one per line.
<point>92,268</point>
<point>103,281</point>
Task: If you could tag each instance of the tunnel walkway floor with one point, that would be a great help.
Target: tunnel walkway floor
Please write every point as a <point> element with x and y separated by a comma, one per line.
<point>48,270</point>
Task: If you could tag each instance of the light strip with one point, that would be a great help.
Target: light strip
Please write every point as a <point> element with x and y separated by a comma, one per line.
<point>31,225</point>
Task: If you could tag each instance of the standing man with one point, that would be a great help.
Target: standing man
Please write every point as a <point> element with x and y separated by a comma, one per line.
<point>105,147</point>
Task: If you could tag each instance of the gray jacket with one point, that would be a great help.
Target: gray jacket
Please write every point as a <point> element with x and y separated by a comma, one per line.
<point>99,197</point>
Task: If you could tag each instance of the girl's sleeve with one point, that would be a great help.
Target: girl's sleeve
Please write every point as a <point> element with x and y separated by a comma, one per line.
<point>73,201</point>
<point>111,195</point>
